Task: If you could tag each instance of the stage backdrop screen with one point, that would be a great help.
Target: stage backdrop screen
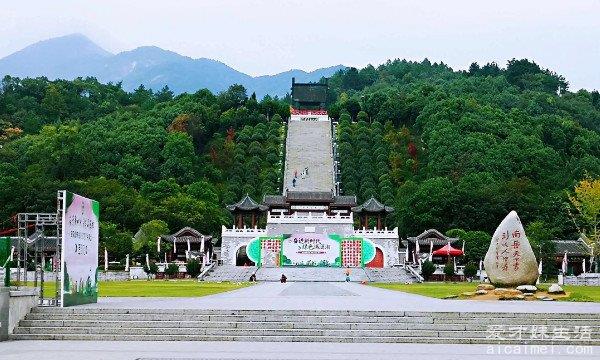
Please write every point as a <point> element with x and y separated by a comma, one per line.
<point>80,225</point>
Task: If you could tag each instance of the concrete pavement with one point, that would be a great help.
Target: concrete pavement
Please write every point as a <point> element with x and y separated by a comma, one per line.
<point>338,296</point>
<point>114,350</point>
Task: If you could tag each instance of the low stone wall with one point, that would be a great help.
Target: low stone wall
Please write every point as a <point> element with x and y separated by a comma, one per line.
<point>588,279</point>
<point>49,276</point>
<point>20,304</point>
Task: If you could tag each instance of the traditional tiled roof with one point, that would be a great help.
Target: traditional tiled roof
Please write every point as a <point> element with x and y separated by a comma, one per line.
<point>344,200</point>
<point>572,247</point>
<point>274,200</point>
<point>372,206</point>
<point>45,243</point>
<point>185,234</point>
<point>246,204</point>
<point>432,235</point>
<point>309,196</point>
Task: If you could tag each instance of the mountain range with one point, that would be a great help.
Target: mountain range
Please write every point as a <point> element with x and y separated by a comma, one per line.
<point>75,55</point>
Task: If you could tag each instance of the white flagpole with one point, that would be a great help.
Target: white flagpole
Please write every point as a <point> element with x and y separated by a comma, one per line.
<point>583,263</point>
<point>127,262</point>
<point>417,248</point>
<point>463,247</point>
<point>105,259</point>
<point>454,259</point>
<point>430,250</point>
<point>158,244</point>
<point>148,261</point>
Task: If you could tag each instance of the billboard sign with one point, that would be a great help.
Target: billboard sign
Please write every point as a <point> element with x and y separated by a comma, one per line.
<point>80,232</point>
<point>310,250</point>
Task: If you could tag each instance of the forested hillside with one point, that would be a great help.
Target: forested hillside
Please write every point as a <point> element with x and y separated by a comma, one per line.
<point>449,150</point>
<point>144,156</point>
<point>461,149</point>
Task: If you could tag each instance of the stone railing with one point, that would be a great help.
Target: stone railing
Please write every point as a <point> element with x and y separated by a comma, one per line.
<point>246,232</point>
<point>310,217</point>
<point>374,233</point>
<point>587,279</point>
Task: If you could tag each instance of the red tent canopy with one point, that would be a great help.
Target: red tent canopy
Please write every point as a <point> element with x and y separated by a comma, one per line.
<point>448,250</point>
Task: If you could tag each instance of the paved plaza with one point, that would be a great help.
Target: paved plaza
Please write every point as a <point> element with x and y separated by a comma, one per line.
<point>91,350</point>
<point>337,296</point>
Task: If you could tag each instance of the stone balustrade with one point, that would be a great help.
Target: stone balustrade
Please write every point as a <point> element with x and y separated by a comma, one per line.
<point>374,233</point>
<point>310,217</point>
<point>245,232</point>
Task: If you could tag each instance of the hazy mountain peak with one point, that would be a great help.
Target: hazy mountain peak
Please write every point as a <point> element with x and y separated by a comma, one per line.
<point>75,55</point>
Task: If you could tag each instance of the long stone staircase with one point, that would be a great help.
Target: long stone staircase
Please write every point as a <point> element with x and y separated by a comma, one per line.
<point>308,145</point>
<point>308,326</point>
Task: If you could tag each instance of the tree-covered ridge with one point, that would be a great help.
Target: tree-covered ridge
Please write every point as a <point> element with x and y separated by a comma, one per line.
<point>143,155</point>
<point>462,149</point>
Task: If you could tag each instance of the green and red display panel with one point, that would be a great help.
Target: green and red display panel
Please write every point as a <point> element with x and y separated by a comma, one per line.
<point>309,249</point>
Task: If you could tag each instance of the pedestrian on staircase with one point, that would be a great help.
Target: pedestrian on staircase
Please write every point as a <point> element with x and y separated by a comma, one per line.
<point>347,274</point>
<point>294,182</point>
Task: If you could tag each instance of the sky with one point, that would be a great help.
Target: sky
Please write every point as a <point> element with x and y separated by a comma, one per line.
<point>267,37</point>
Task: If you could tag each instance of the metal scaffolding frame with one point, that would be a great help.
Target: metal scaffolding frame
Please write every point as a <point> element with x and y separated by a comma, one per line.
<point>45,226</point>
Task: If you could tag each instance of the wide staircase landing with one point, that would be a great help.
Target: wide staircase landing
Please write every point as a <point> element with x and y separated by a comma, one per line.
<point>310,274</point>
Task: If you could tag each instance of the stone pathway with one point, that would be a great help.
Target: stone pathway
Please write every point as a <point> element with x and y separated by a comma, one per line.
<point>146,350</point>
<point>338,296</point>
<point>309,146</point>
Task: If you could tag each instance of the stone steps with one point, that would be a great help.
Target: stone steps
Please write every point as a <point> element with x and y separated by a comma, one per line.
<point>295,325</point>
<point>308,144</point>
<point>389,275</point>
<point>230,273</point>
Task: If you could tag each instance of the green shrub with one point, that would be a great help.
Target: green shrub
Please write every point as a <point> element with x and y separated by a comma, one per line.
<point>427,269</point>
<point>193,268</point>
<point>449,269</point>
<point>172,269</point>
<point>116,267</point>
<point>470,270</point>
<point>152,270</point>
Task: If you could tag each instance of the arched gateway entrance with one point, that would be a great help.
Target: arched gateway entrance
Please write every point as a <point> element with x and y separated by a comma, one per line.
<point>241,258</point>
<point>377,261</point>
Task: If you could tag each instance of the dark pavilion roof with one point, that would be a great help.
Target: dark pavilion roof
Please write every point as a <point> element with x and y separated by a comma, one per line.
<point>324,197</point>
<point>185,234</point>
<point>432,235</point>
<point>372,206</point>
<point>246,204</point>
<point>572,247</point>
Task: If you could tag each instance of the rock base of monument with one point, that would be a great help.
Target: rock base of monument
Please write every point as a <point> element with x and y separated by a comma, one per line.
<point>522,292</point>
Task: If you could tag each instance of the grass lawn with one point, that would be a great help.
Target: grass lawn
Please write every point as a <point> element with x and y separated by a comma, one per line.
<point>158,288</point>
<point>432,289</point>
<point>440,290</point>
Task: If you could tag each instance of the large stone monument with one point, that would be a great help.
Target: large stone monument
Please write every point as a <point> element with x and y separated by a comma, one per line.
<point>510,260</point>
